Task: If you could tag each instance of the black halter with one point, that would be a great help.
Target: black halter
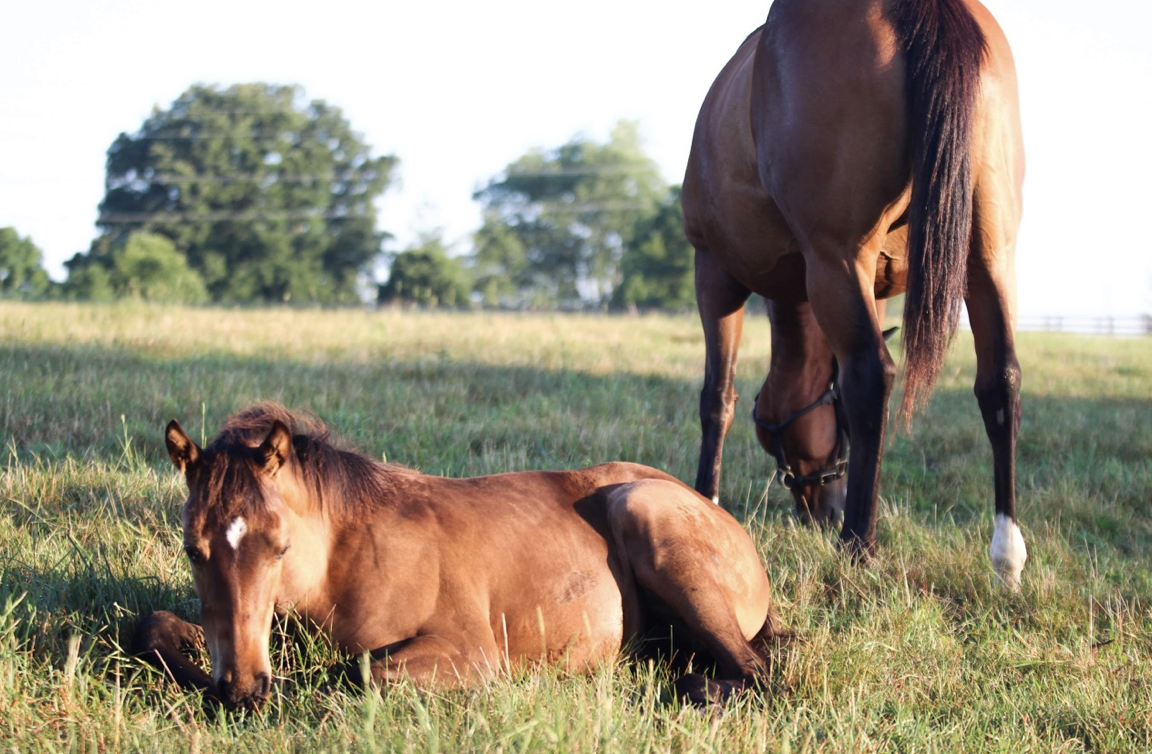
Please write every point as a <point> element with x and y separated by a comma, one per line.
<point>784,472</point>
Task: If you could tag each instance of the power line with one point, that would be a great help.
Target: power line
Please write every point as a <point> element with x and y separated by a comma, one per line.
<point>126,218</point>
<point>560,207</point>
<point>188,217</point>
<point>578,170</point>
<point>240,178</point>
<point>264,133</point>
<point>348,177</point>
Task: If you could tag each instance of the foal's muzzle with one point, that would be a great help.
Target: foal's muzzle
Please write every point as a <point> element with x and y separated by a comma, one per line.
<point>244,695</point>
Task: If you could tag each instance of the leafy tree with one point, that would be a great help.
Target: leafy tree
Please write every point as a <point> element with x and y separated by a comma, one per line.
<point>140,265</point>
<point>658,268</point>
<point>270,197</point>
<point>88,282</point>
<point>21,270</point>
<point>148,266</point>
<point>500,266</point>
<point>557,221</point>
<point>426,275</point>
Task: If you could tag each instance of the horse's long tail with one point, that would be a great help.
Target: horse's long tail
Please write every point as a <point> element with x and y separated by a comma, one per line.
<point>944,49</point>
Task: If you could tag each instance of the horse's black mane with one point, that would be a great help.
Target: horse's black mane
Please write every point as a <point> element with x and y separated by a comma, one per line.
<point>340,479</point>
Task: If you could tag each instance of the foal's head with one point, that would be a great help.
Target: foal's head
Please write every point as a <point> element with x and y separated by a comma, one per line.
<point>238,527</point>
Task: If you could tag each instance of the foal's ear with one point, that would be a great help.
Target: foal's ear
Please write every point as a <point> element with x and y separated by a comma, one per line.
<point>181,449</point>
<point>274,452</point>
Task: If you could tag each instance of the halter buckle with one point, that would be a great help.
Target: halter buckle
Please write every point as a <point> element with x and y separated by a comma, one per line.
<point>789,480</point>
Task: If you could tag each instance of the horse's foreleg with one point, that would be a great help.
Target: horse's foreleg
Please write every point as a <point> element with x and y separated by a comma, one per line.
<point>845,307</point>
<point>720,300</point>
<point>998,393</point>
<point>866,385</point>
<point>160,640</point>
<point>435,660</point>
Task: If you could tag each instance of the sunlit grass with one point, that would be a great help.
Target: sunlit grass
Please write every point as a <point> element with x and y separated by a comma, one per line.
<point>920,650</point>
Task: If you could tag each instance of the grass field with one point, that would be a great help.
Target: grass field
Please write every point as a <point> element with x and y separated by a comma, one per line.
<point>918,651</point>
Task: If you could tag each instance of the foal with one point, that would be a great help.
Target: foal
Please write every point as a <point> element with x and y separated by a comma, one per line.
<point>448,582</point>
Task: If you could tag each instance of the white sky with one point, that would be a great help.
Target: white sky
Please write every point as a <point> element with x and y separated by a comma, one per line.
<point>457,90</point>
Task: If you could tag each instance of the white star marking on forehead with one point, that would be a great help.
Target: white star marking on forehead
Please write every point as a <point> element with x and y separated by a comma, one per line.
<point>236,531</point>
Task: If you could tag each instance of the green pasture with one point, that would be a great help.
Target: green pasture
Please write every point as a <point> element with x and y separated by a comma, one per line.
<point>919,650</point>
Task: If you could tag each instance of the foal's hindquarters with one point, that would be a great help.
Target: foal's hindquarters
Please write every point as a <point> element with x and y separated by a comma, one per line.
<point>694,566</point>
<point>625,554</point>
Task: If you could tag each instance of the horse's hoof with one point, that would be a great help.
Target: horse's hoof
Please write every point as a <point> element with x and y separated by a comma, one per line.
<point>857,549</point>
<point>1008,552</point>
<point>699,691</point>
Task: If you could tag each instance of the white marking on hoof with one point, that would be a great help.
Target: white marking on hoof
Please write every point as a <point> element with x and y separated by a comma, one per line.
<point>716,498</point>
<point>236,531</point>
<point>1008,551</point>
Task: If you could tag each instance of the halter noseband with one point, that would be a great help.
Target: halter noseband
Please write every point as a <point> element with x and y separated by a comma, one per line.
<point>784,472</point>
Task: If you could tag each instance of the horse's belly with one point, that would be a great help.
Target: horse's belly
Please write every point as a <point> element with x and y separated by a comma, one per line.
<point>575,620</point>
<point>784,280</point>
<point>892,266</point>
<point>770,263</point>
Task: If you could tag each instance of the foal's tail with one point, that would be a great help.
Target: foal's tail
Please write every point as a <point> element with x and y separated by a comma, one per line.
<point>944,49</point>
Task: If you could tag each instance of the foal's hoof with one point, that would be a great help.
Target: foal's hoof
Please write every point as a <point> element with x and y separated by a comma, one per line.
<point>704,692</point>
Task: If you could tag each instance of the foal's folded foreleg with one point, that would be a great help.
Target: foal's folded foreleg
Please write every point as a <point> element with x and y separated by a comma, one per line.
<point>160,640</point>
<point>431,661</point>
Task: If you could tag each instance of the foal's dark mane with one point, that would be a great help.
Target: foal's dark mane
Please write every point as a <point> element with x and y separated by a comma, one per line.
<point>342,481</point>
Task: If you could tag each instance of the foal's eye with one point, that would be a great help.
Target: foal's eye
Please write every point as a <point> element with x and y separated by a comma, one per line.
<point>281,555</point>
<point>194,555</point>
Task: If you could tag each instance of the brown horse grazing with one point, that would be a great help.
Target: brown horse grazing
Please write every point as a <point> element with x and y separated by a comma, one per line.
<point>447,582</point>
<point>853,150</point>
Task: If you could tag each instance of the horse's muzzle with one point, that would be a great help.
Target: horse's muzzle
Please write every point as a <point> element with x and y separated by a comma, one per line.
<point>821,505</point>
<point>244,695</point>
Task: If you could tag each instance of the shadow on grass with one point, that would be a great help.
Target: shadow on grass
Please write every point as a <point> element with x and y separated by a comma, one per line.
<point>461,417</point>
<point>433,413</point>
<point>47,607</point>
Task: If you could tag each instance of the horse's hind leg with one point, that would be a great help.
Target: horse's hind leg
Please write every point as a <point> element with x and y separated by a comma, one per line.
<point>990,313</point>
<point>702,566</point>
<point>720,300</point>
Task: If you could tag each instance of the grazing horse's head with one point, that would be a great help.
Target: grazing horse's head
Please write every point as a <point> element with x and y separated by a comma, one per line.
<point>810,445</point>
<point>238,526</point>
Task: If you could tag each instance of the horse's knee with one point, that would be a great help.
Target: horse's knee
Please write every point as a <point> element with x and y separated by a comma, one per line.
<point>867,380</point>
<point>886,369</point>
<point>162,630</point>
<point>717,405</point>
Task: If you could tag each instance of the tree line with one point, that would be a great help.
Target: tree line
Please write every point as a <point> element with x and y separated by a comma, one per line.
<point>255,194</point>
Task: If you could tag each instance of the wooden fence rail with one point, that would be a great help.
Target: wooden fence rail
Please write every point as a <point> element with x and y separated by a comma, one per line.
<point>1115,326</point>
